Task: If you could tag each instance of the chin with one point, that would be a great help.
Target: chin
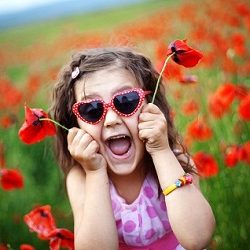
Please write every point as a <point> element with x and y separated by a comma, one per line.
<point>121,169</point>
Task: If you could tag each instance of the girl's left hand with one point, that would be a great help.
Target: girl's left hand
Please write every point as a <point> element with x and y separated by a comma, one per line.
<point>153,128</point>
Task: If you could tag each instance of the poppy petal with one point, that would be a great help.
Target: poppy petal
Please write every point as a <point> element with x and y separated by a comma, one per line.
<point>244,108</point>
<point>41,221</point>
<point>199,130</point>
<point>26,247</point>
<point>61,237</point>
<point>34,130</point>
<point>11,179</point>
<point>206,164</point>
<point>183,54</point>
<point>232,156</point>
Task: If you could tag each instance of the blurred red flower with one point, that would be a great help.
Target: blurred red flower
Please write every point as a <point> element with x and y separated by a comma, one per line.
<point>11,179</point>
<point>32,86</point>
<point>238,44</point>
<point>244,108</point>
<point>232,155</point>
<point>220,101</point>
<point>199,130</point>
<point>206,164</point>
<point>183,54</point>
<point>4,246</point>
<point>245,156</point>
<point>11,97</point>
<point>61,237</point>
<point>7,120</point>
<point>34,130</point>
<point>41,221</point>
<point>190,108</point>
<point>26,247</point>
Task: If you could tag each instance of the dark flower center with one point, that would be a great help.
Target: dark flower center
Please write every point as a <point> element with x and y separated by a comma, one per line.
<point>176,58</point>
<point>37,122</point>
<point>43,213</point>
<point>173,49</point>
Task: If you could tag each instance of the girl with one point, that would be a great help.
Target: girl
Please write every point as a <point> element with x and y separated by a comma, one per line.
<point>120,153</point>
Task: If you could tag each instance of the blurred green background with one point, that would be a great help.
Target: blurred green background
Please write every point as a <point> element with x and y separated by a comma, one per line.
<point>31,56</point>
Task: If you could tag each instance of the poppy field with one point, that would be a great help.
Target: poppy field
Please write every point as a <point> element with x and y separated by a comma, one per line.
<point>210,107</point>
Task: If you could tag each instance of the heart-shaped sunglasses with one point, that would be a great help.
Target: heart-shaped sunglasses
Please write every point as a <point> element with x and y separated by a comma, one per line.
<point>124,103</point>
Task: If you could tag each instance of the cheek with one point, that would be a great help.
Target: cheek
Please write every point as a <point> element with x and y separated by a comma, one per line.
<point>132,124</point>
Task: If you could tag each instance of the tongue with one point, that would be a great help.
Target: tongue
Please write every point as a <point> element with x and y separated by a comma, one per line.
<point>119,146</point>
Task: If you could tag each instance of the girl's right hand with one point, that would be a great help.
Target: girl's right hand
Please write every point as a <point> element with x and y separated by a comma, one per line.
<point>84,149</point>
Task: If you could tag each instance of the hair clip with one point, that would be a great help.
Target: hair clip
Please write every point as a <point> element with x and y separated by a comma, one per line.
<point>75,72</point>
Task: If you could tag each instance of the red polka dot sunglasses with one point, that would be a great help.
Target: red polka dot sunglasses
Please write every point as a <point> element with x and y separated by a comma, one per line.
<point>124,103</point>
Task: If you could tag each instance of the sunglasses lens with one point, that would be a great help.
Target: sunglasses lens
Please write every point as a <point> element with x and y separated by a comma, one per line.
<point>127,103</point>
<point>92,111</point>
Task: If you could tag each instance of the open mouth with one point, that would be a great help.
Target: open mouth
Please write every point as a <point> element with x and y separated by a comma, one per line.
<point>119,145</point>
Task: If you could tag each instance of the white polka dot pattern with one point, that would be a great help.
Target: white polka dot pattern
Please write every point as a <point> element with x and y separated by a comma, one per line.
<point>145,220</point>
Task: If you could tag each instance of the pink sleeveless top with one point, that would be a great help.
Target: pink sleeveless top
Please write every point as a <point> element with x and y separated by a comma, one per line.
<point>144,223</point>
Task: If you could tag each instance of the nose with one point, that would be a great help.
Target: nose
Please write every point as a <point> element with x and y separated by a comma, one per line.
<point>111,118</point>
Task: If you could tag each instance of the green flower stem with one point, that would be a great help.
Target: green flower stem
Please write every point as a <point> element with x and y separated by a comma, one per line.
<point>58,124</point>
<point>159,78</point>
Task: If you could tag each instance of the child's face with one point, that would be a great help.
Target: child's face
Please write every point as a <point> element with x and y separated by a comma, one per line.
<point>116,135</point>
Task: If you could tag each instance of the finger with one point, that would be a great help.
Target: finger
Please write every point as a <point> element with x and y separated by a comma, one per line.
<point>151,108</point>
<point>92,148</point>
<point>146,125</point>
<point>84,141</point>
<point>78,137</point>
<point>71,134</point>
<point>160,125</point>
<point>143,117</point>
<point>89,156</point>
<point>146,116</point>
<point>145,134</point>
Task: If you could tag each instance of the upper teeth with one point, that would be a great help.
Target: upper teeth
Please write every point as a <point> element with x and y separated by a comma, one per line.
<point>117,137</point>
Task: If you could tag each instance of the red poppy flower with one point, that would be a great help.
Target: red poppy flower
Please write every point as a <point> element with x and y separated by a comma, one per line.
<point>220,101</point>
<point>190,108</point>
<point>41,221</point>
<point>232,156</point>
<point>4,247</point>
<point>183,54</point>
<point>206,164</point>
<point>6,121</point>
<point>34,130</point>
<point>11,179</point>
<point>33,85</point>
<point>238,44</point>
<point>199,130</point>
<point>12,96</point>
<point>245,153</point>
<point>243,9</point>
<point>26,247</point>
<point>216,107</point>
<point>61,237</point>
<point>244,108</point>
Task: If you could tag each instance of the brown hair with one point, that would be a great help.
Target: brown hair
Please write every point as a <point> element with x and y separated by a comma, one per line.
<point>92,60</point>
